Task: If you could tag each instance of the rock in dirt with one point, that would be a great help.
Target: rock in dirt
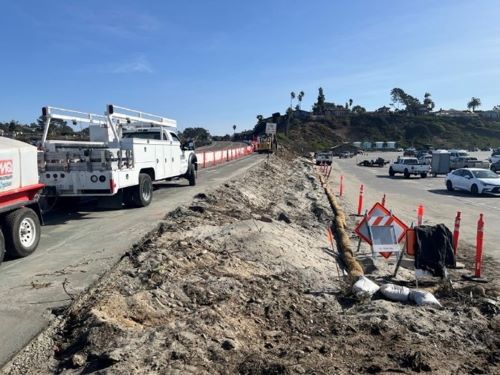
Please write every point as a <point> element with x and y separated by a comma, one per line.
<point>266,218</point>
<point>283,217</point>
<point>228,344</point>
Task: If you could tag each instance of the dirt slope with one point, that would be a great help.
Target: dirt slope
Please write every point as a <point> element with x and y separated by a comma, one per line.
<point>242,281</point>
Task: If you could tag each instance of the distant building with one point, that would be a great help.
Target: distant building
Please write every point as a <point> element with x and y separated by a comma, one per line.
<point>489,114</point>
<point>454,113</point>
<point>335,110</point>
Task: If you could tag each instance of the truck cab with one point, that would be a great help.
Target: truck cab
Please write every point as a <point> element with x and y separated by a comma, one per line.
<point>408,166</point>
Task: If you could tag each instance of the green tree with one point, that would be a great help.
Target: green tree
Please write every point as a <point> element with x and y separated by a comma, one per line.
<point>350,103</point>
<point>200,136</point>
<point>412,105</point>
<point>259,119</point>
<point>358,109</point>
<point>428,102</point>
<point>319,106</point>
<point>474,103</point>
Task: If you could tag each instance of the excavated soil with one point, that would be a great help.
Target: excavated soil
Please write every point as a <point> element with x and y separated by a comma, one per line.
<point>243,281</point>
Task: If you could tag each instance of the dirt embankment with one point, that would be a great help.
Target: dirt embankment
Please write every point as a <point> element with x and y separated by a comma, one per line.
<point>242,281</point>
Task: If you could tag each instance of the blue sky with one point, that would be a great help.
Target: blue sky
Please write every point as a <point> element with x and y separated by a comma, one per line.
<point>218,63</point>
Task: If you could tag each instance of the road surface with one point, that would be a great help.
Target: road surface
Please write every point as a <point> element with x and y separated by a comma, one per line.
<point>404,195</point>
<point>79,247</point>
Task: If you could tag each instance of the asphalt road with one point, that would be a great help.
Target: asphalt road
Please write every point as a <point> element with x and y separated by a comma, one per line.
<point>79,247</point>
<point>404,195</point>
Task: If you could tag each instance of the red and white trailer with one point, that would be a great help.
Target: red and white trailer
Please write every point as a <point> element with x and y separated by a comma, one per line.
<point>20,215</point>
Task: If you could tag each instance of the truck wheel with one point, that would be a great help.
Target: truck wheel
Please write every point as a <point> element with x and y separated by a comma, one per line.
<point>22,232</point>
<point>2,247</point>
<point>406,173</point>
<point>191,175</point>
<point>391,172</point>
<point>143,193</point>
<point>423,175</point>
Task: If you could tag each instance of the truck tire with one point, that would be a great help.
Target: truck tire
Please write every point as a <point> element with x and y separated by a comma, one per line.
<point>191,174</point>
<point>22,232</point>
<point>423,175</point>
<point>391,172</point>
<point>2,247</point>
<point>143,193</point>
<point>406,173</point>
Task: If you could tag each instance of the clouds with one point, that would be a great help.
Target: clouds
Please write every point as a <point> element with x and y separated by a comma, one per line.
<point>137,65</point>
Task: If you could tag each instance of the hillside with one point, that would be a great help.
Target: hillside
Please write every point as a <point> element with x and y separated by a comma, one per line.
<point>441,132</point>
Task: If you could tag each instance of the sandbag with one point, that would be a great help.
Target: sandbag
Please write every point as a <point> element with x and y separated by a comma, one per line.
<point>395,292</point>
<point>364,287</point>
<point>422,297</point>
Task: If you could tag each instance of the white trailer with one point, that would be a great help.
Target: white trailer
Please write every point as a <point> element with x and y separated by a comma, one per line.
<point>127,151</point>
<point>20,215</point>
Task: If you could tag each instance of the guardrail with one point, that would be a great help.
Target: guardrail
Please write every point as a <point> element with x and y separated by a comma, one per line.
<point>211,158</point>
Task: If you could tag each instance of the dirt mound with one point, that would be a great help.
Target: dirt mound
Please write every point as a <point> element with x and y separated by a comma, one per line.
<point>242,281</point>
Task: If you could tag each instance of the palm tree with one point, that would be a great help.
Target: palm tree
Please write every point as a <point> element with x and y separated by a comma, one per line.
<point>292,96</point>
<point>234,128</point>
<point>300,97</point>
<point>350,103</point>
<point>474,103</point>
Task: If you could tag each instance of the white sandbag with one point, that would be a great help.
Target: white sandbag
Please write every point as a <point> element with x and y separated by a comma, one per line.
<point>422,297</point>
<point>365,287</point>
<point>395,292</point>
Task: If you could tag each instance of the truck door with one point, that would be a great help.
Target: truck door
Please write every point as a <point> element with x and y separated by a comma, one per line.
<point>177,154</point>
<point>167,153</point>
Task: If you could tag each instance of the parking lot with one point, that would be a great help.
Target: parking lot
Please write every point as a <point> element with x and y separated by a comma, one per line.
<point>404,195</point>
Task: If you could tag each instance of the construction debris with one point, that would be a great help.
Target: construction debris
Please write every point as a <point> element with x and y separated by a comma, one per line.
<point>218,290</point>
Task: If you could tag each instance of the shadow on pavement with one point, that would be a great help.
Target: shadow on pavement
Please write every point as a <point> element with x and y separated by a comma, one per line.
<point>463,194</point>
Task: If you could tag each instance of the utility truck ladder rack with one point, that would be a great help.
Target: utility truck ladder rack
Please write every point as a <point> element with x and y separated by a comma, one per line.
<point>133,117</point>
<point>49,113</point>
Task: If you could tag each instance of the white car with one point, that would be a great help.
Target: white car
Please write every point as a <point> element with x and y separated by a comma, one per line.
<point>475,180</point>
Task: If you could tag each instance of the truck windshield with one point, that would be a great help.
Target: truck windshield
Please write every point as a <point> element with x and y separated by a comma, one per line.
<point>142,135</point>
<point>411,161</point>
<point>463,154</point>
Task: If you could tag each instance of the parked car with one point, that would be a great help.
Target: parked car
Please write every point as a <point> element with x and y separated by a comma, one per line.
<point>345,155</point>
<point>495,167</point>
<point>476,180</point>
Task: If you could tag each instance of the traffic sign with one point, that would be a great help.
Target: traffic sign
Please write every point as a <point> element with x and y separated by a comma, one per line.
<point>270,128</point>
<point>381,221</point>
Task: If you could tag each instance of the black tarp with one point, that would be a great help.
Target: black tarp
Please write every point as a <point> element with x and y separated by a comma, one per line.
<point>434,249</point>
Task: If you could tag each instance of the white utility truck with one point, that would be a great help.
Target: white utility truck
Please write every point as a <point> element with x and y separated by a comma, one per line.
<point>20,214</point>
<point>324,157</point>
<point>127,151</point>
<point>409,166</point>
